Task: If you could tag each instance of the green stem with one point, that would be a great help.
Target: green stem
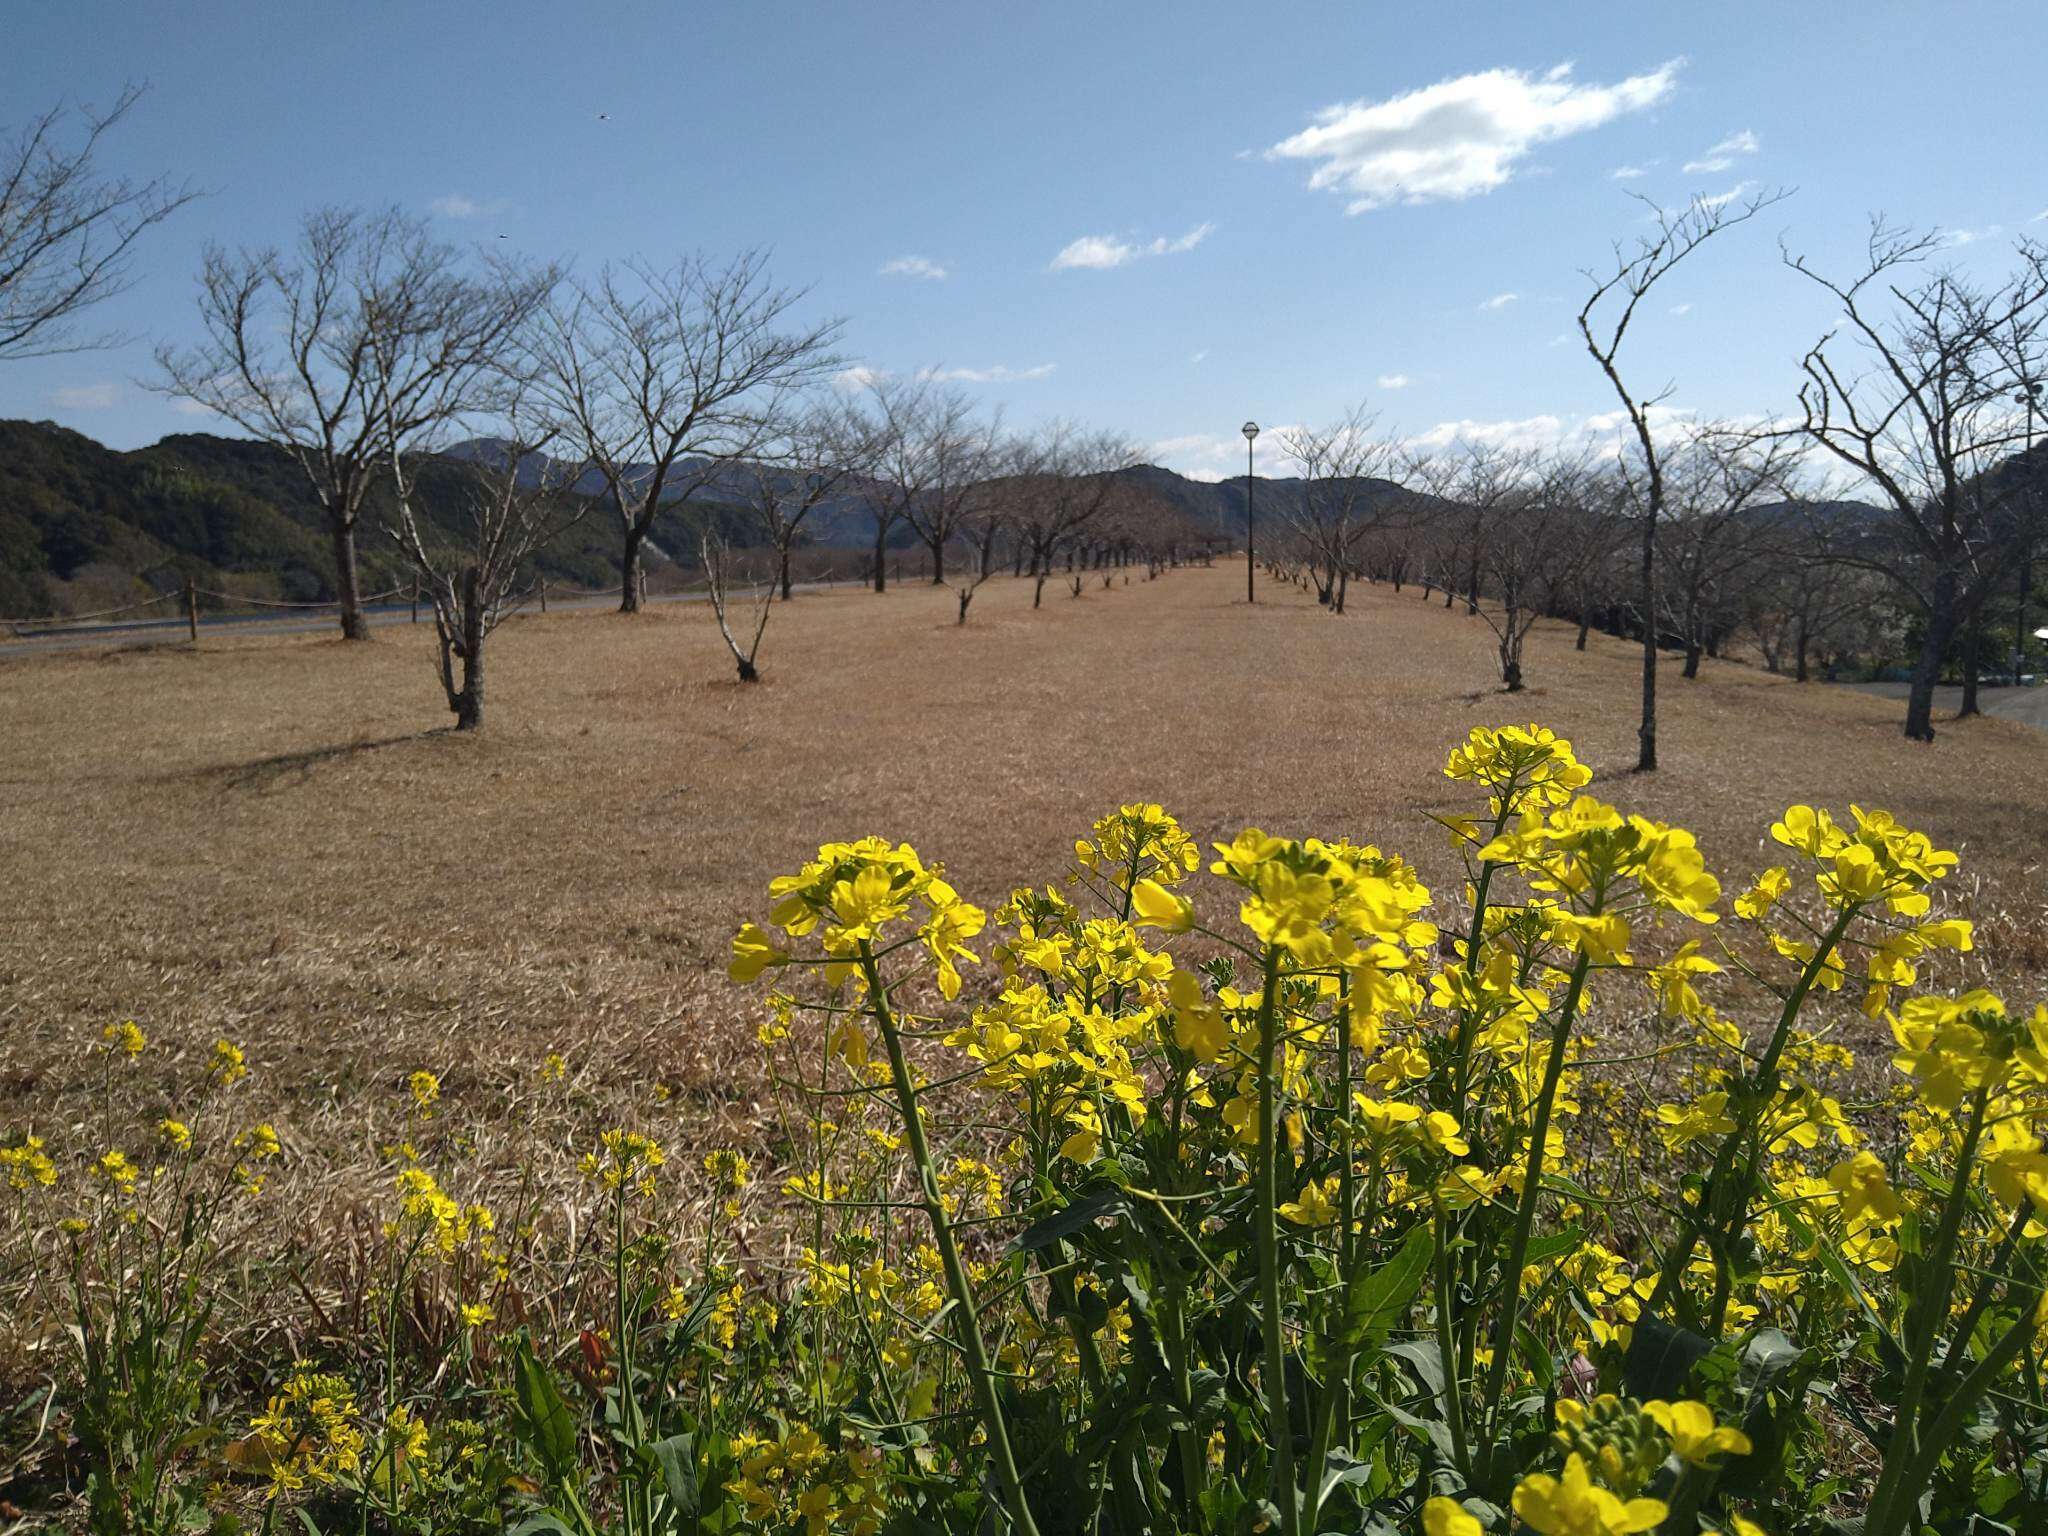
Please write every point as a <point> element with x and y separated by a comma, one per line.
<point>1265,1203</point>
<point>1715,1192</point>
<point>1923,1323</point>
<point>1525,1215</point>
<point>957,1284</point>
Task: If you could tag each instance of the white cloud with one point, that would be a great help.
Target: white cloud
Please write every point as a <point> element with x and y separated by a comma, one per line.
<point>86,397</point>
<point>191,408</point>
<point>2039,217</point>
<point>859,376</point>
<point>1630,172</point>
<point>1002,373</point>
<point>456,206</point>
<point>1604,434</point>
<point>1681,309</point>
<point>1212,456</point>
<point>1394,381</point>
<point>913,266</point>
<point>1101,252</point>
<point>1460,137</point>
<point>1199,356</point>
<point>1971,236</point>
<point>1499,301</point>
<point>1724,154</point>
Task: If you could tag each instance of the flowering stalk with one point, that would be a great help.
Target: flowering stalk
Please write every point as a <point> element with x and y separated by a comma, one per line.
<point>981,1376</point>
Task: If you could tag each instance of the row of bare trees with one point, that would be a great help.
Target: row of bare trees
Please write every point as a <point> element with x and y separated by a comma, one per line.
<point>1903,502</point>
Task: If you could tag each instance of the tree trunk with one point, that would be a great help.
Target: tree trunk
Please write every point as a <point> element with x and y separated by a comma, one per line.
<point>632,575</point>
<point>1969,706</point>
<point>1692,659</point>
<point>1941,627</point>
<point>938,549</point>
<point>1799,652</point>
<point>1646,732</point>
<point>783,559</point>
<point>1343,586</point>
<point>966,597</point>
<point>469,704</point>
<point>348,583</point>
<point>881,559</point>
<point>1585,624</point>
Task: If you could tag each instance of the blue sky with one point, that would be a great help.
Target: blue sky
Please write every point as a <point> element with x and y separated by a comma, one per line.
<point>1260,215</point>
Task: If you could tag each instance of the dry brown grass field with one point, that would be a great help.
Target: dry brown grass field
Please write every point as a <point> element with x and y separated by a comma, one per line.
<point>276,840</point>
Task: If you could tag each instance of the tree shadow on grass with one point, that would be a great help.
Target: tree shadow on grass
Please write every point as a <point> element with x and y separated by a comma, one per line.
<point>268,772</point>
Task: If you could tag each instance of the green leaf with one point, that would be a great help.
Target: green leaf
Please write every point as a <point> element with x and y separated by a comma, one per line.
<point>678,1458</point>
<point>543,1421</point>
<point>1082,1214</point>
<point>1425,1361</point>
<point>1379,1300</point>
<point>1553,1245</point>
<point>1661,1357</point>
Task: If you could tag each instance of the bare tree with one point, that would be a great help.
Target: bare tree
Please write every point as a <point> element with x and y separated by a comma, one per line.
<point>736,607</point>
<point>1604,322</point>
<point>1340,502</point>
<point>1726,508</point>
<point>664,375</point>
<point>812,452</point>
<point>516,501</point>
<point>926,452</point>
<point>67,232</point>
<point>1926,418</point>
<point>1069,479</point>
<point>953,453</point>
<point>1529,547</point>
<point>369,339</point>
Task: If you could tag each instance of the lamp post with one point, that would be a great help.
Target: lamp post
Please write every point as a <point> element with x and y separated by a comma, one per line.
<point>1251,431</point>
<point>2029,397</point>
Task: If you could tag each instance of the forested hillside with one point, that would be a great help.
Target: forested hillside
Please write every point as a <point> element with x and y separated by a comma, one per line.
<point>83,526</point>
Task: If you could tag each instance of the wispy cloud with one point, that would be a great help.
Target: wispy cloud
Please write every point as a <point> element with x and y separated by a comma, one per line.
<point>913,266</point>
<point>86,397</point>
<point>1200,356</point>
<point>1724,154</point>
<point>859,376</point>
<point>1394,381</point>
<point>1499,301</point>
<point>1001,373</point>
<point>1955,237</point>
<point>1729,196</point>
<point>1630,172</point>
<point>1100,252</point>
<point>457,206</point>
<point>1681,309</point>
<point>1460,137</point>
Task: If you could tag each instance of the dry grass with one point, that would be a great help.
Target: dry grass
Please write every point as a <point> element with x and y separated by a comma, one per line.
<point>273,839</point>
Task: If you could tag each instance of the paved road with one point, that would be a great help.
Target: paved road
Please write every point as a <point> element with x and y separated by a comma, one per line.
<point>171,631</point>
<point>2029,706</point>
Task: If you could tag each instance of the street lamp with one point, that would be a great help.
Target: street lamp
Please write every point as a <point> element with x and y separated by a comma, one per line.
<point>1251,431</point>
<point>2028,398</point>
